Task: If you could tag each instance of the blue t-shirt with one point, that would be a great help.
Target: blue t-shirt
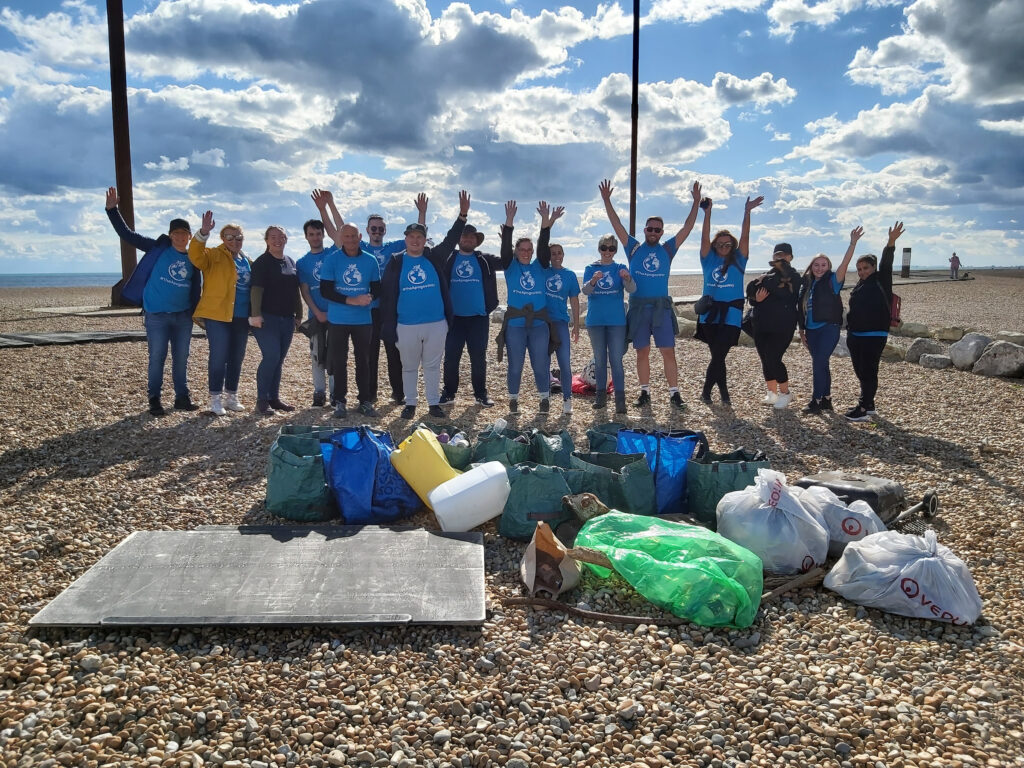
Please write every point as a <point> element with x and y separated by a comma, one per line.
<point>382,253</point>
<point>525,285</point>
<point>559,286</point>
<point>310,268</point>
<point>419,292</point>
<point>724,285</point>
<point>169,288</point>
<point>467,286</point>
<point>352,276</point>
<point>605,305</point>
<point>836,286</point>
<point>649,265</point>
<point>242,284</point>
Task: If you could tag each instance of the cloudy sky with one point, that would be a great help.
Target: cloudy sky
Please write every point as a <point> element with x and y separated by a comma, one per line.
<point>839,112</point>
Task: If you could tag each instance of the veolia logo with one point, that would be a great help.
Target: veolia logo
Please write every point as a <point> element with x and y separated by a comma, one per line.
<point>852,526</point>
<point>806,564</point>
<point>916,594</point>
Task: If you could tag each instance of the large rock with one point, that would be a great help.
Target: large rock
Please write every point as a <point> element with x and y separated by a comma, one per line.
<point>924,347</point>
<point>841,349</point>
<point>685,312</point>
<point>893,352</point>
<point>951,333</point>
<point>913,331</point>
<point>746,340</point>
<point>1014,337</point>
<point>1001,358</point>
<point>498,315</point>
<point>965,353</point>
<point>936,361</point>
<point>686,328</point>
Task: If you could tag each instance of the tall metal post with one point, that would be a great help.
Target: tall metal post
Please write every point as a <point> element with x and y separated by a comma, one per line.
<point>122,141</point>
<point>634,115</point>
<point>905,268</point>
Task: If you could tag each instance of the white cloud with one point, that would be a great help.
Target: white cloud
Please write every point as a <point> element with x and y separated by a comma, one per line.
<point>1015,127</point>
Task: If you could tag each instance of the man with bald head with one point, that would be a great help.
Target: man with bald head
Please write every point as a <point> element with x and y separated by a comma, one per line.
<point>350,281</point>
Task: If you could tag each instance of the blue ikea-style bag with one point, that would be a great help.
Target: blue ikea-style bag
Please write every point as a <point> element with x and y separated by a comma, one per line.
<point>667,454</point>
<point>367,488</point>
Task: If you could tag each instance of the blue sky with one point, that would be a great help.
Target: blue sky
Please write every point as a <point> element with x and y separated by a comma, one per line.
<point>839,112</point>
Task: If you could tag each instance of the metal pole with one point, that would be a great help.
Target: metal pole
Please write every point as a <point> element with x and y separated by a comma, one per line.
<point>122,141</point>
<point>634,115</point>
<point>905,270</point>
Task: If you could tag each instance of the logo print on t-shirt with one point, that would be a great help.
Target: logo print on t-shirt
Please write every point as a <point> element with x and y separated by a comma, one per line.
<point>465,269</point>
<point>717,275</point>
<point>178,271</point>
<point>555,283</point>
<point>417,275</point>
<point>606,282</point>
<point>526,281</point>
<point>651,263</point>
<point>316,270</point>
<point>352,276</point>
<point>243,274</point>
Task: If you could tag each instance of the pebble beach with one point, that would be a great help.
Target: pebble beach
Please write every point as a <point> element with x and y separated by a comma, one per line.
<point>815,681</point>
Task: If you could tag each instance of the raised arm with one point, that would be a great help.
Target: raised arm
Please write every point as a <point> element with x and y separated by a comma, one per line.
<point>324,199</point>
<point>691,218</point>
<point>451,240</point>
<point>705,230</point>
<point>855,234</point>
<point>198,253</point>
<point>117,221</point>
<point>605,187</point>
<point>744,246</point>
<point>889,255</point>
<point>548,216</point>
<point>421,207</point>
<point>507,254</point>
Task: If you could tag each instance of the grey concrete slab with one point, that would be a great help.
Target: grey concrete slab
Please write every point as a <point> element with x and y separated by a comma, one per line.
<point>286,575</point>
<point>42,338</point>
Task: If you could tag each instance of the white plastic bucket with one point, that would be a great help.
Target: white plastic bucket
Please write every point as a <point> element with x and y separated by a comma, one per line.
<point>472,498</point>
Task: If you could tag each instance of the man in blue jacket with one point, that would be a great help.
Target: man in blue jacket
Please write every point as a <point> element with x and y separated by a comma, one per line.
<point>167,287</point>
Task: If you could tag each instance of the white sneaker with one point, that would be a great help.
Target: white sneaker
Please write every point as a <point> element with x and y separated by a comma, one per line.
<point>567,406</point>
<point>215,404</point>
<point>770,398</point>
<point>231,402</point>
<point>782,401</point>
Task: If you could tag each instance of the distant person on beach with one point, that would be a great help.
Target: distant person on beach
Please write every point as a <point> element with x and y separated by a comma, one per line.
<point>604,282</point>
<point>224,307</point>
<point>723,260</point>
<point>867,322</point>
<point>562,289</point>
<point>275,312</point>
<point>773,299</point>
<point>167,287</point>
<point>651,311</point>
<point>954,267</point>
<point>821,314</point>
<point>309,267</point>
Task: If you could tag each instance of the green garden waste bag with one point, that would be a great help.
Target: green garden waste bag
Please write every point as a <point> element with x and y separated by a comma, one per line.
<point>536,494</point>
<point>603,437</point>
<point>552,450</point>
<point>296,484</point>
<point>459,456</point>
<point>712,475</point>
<point>502,446</point>
<point>621,481</point>
<point>685,569</point>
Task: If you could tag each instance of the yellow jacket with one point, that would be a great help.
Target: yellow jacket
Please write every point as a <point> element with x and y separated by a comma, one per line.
<point>219,277</point>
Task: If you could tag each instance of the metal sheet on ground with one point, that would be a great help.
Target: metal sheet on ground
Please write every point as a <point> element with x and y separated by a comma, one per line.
<point>259,575</point>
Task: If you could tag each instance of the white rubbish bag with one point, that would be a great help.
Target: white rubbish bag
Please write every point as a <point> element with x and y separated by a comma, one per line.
<point>768,519</point>
<point>843,523</point>
<point>907,575</point>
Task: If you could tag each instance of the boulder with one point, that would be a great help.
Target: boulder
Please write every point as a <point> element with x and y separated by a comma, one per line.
<point>841,349</point>
<point>935,361</point>
<point>1014,337</point>
<point>913,331</point>
<point>951,333</point>
<point>498,315</point>
<point>685,312</point>
<point>746,340</point>
<point>1001,358</point>
<point>686,328</point>
<point>965,353</point>
<point>893,352</point>
<point>924,347</point>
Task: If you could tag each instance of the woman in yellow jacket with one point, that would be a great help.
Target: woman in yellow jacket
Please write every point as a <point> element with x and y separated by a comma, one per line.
<point>224,308</point>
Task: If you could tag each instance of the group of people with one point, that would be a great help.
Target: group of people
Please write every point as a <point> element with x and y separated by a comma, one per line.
<point>429,303</point>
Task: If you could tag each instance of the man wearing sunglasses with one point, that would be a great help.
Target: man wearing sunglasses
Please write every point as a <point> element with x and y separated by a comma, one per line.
<point>651,312</point>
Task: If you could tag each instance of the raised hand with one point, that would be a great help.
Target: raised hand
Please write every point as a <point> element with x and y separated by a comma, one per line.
<point>856,234</point>
<point>752,204</point>
<point>112,198</point>
<point>510,212</point>
<point>895,231</point>
<point>207,226</point>
<point>421,203</point>
<point>606,190</point>
<point>557,212</point>
<point>545,211</point>
<point>463,202</point>
<point>695,192</point>
<point>322,198</point>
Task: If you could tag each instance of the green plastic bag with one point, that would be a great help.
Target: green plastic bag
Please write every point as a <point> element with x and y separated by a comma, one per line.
<point>621,481</point>
<point>711,476</point>
<point>553,450</point>
<point>296,485</point>
<point>604,438</point>
<point>459,456</point>
<point>536,494</point>
<point>687,570</point>
<point>503,447</point>
<point>321,432</point>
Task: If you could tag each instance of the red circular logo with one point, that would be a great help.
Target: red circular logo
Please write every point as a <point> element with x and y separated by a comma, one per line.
<point>852,526</point>
<point>910,587</point>
<point>807,564</point>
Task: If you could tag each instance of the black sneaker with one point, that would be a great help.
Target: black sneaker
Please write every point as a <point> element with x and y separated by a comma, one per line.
<point>620,402</point>
<point>705,397</point>
<point>644,399</point>
<point>813,407</point>
<point>408,412</point>
<point>436,412</point>
<point>545,405</point>
<point>319,399</point>
<point>826,403</point>
<point>340,411</point>
<point>677,401</point>
<point>184,403</point>
<point>513,405</point>
<point>485,402</point>
<point>446,400</point>
<point>859,413</point>
<point>278,405</point>
<point>367,409</point>
<point>601,401</point>
<point>397,399</point>
<point>263,408</point>
<point>155,408</point>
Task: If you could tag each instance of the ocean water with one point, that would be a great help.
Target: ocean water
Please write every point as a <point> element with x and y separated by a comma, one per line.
<point>61,280</point>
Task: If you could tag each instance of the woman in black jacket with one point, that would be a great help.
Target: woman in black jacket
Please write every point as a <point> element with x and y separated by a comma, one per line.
<point>774,298</point>
<point>867,323</point>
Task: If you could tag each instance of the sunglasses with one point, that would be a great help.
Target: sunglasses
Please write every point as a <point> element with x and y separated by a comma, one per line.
<point>723,244</point>
<point>653,230</point>
<point>607,248</point>
<point>375,230</point>
<point>238,238</point>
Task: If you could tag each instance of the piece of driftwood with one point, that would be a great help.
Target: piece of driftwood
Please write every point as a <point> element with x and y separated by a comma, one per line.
<point>613,618</point>
<point>812,576</point>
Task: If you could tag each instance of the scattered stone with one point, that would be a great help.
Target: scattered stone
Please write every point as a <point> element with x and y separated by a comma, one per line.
<point>937,362</point>
<point>951,333</point>
<point>965,353</point>
<point>1001,358</point>
<point>923,347</point>
<point>1014,337</point>
<point>912,330</point>
<point>893,351</point>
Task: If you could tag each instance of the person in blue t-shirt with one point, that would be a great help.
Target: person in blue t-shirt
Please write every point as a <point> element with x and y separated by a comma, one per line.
<point>375,245</point>
<point>309,267</point>
<point>526,325</point>
<point>168,287</point>
<point>603,283</point>
<point>350,282</point>
<point>820,316</point>
<point>723,260</point>
<point>651,310</point>
<point>562,290</point>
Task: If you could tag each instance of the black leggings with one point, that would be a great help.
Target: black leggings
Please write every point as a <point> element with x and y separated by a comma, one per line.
<point>865,354</point>
<point>771,346</point>
<point>720,339</point>
<point>337,353</point>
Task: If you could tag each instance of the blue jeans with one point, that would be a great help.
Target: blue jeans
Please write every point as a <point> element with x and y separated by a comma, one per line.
<point>609,345</point>
<point>563,356</point>
<point>274,339</point>
<point>517,341</point>
<point>821,342</point>
<point>163,328</point>
<point>227,351</point>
